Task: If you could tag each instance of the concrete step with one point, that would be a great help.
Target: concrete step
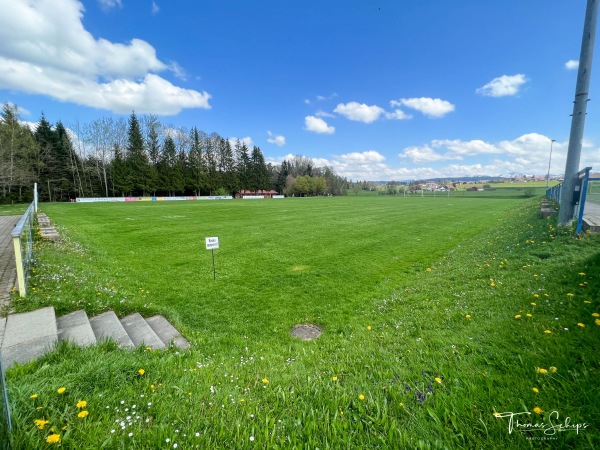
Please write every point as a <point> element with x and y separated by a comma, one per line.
<point>108,326</point>
<point>140,332</point>
<point>28,336</point>
<point>167,332</point>
<point>75,327</point>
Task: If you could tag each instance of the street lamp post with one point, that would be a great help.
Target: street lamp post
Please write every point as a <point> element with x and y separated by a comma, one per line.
<point>552,141</point>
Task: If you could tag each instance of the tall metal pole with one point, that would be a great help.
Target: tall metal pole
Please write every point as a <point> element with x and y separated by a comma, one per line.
<point>552,141</point>
<point>565,214</point>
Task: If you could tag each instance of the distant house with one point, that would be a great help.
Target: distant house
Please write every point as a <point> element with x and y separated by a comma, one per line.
<point>264,193</point>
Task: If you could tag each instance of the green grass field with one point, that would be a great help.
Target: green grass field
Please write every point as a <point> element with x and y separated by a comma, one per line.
<point>437,313</point>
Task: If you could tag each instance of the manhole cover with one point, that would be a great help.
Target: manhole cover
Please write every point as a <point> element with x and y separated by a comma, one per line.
<point>306,332</point>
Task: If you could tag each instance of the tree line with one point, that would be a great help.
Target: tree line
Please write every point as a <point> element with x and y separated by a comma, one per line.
<point>115,157</point>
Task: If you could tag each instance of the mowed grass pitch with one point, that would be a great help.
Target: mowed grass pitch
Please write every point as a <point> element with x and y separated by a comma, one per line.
<point>437,314</point>
<point>280,262</point>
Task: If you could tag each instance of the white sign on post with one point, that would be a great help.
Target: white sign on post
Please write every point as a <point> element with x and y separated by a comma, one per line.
<point>212,243</point>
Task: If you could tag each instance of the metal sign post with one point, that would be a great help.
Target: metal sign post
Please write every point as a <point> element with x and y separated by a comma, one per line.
<point>211,244</point>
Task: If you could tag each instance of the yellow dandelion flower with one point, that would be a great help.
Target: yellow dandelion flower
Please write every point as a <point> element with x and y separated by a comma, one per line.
<point>587,301</point>
<point>537,410</point>
<point>53,439</point>
<point>533,304</point>
<point>361,397</point>
<point>61,390</point>
<point>83,414</point>
<point>518,316</point>
<point>582,274</point>
<point>428,269</point>
<point>553,369</point>
<point>492,284</point>
<point>597,322</point>
<point>265,380</point>
<point>369,328</point>
<point>547,331</point>
<point>334,378</point>
<point>595,315</point>
<point>541,370</point>
<point>81,404</point>
<point>438,380</point>
<point>468,316</point>
<point>536,295</point>
<point>529,315</point>
<point>536,390</point>
<point>34,396</point>
<point>141,371</point>
<point>40,424</point>
<point>580,325</point>
<point>570,294</point>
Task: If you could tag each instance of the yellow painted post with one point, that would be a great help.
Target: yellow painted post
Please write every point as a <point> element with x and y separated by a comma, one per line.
<point>19,263</point>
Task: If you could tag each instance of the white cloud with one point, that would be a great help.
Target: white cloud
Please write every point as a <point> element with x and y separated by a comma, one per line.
<point>316,125</point>
<point>359,112</point>
<point>431,107</point>
<point>370,156</point>
<point>572,64</point>
<point>323,114</point>
<point>45,49</point>
<point>20,110</point>
<point>424,154</point>
<point>398,114</point>
<point>503,86</point>
<point>527,154</point>
<point>155,8</point>
<point>110,4</point>
<point>277,140</point>
<point>247,140</point>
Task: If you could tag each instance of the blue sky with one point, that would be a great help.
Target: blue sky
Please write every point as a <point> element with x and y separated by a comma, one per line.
<point>380,90</point>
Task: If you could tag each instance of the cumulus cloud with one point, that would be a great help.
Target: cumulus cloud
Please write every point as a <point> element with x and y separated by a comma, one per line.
<point>503,86</point>
<point>527,154</point>
<point>110,4</point>
<point>359,112</point>
<point>317,125</point>
<point>572,64</point>
<point>277,140</point>
<point>398,114</point>
<point>246,140</point>
<point>45,49</point>
<point>431,107</point>
<point>323,114</point>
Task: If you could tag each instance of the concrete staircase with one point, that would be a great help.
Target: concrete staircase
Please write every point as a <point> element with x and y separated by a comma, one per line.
<point>26,336</point>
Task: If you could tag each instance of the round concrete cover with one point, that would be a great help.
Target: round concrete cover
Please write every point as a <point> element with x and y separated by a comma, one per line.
<point>306,331</point>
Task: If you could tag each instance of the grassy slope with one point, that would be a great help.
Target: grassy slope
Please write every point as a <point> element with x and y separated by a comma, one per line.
<point>392,327</point>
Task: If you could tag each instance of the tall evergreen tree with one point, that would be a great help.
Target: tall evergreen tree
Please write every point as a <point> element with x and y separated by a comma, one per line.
<point>197,164</point>
<point>136,160</point>
<point>244,168</point>
<point>259,174</point>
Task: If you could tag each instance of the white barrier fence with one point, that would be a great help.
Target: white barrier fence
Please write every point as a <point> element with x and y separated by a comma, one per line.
<point>149,199</point>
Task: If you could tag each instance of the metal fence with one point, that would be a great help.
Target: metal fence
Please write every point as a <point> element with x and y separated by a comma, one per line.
<point>587,191</point>
<point>22,236</point>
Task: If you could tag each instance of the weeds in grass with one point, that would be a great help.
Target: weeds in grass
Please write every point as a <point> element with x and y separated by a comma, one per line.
<point>431,359</point>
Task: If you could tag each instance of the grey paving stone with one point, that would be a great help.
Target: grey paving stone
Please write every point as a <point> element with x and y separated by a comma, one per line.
<point>28,336</point>
<point>108,326</point>
<point>140,332</point>
<point>75,327</point>
<point>167,332</point>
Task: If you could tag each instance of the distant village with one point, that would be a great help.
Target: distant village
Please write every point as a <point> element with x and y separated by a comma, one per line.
<point>445,185</point>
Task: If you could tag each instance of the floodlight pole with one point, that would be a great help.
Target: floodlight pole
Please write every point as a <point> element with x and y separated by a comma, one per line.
<point>552,141</point>
<point>567,206</point>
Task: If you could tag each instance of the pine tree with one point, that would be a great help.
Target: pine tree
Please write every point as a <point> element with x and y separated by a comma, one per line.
<point>137,167</point>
